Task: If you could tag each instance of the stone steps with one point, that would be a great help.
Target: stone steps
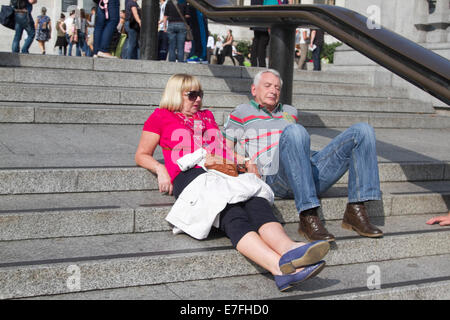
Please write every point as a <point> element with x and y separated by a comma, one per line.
<point>167,68</point>
<point>98,179</point>
<point>43,267</point>
<point>78,80</point>
<point>424,278</point>
<point>81,214</point>
<point>104,79</point>
<point>132,96</point>
<point>17,112</point>
<point>38,145</point>
<point>72,198</point>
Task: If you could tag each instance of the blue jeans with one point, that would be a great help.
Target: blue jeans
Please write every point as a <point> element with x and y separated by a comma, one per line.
<point>133,43</point>
<point>163,44</point>
<point>104,28</point>
<point>80,45</point>
<point>24,21</point>
<point>305,175</point>
<point>176,32</point>
<point>70,44</point>
<point>316,58</point>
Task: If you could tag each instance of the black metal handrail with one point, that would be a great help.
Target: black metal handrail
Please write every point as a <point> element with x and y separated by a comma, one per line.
<point>422,67</point>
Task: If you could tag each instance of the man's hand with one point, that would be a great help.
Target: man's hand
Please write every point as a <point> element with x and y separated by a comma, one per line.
<point>442,220</point>
<point>252,168</point>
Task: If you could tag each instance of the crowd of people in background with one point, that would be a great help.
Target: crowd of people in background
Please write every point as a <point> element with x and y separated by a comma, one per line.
<point>108,32</point>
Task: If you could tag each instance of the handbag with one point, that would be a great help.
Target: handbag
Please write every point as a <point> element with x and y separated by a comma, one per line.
<point>8,17</point>
<point>189,35</point>
<point>74,37</point>
<point>221,165</point>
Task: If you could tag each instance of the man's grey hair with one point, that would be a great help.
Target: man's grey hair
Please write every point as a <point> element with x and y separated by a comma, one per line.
<point>258,76</point>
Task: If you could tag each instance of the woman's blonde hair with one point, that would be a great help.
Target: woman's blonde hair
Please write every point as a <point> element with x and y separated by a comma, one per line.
<point>172,97</point>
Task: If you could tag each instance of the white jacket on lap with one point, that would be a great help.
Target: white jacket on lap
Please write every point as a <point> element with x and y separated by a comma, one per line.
<point>198,206</point>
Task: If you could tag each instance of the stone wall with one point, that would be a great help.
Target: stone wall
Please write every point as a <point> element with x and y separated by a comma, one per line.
<point>411,19</point>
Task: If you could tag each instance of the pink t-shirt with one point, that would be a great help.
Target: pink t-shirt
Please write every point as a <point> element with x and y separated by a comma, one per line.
<point>180,135</point>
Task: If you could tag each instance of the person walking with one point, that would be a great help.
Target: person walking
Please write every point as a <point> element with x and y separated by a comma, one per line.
<point>176,29</point>
<point>304,37</point>
<point>61,41</point>
<point>210,47</point>
<point>106,21</point>
<point>228,48</point>
<point>91,28</point>
<point>317,40</point>
<point>163,40</point>
<point>132,28</point>
<point>71,35</point>
<point>82,49</point>
<point>24,21</point>
<point>44,29</point>
<point>260,42</point>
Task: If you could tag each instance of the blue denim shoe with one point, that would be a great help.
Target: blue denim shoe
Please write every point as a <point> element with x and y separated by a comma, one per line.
<point>287,281</point>
<point>302,256</point>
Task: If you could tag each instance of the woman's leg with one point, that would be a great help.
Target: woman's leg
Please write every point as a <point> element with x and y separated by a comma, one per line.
<point>41,46</point>
<point>70,46</point>
<point>132,44</point>
<point>237,222</point>
<point>254,248</point>
<point>293,255</point>
<point>172,36</point>
<point>180,39</point>
<point>77,47</point>
<point>269,229</point>
<point>303,56</point>
<point>232,59</point>
<point>276,238</point>
<point>100,23</point>
<point>234,221</point>
<point>109,25</point>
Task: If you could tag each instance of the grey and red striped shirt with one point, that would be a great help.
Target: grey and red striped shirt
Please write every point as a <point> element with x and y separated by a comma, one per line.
<point>256,131</point>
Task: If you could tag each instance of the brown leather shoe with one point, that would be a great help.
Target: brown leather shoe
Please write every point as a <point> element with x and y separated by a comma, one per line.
<point>356,219</point>
<point>312,228</point>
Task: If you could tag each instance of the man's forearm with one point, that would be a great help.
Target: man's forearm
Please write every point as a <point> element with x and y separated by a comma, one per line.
<point>231,148</point>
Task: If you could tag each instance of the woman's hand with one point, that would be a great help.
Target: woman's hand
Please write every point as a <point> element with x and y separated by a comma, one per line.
<point>164,184</point>
<point>212,159</point>
<point>144,158</point>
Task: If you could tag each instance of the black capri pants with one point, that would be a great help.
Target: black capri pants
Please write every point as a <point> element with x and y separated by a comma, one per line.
<point>237,219</point>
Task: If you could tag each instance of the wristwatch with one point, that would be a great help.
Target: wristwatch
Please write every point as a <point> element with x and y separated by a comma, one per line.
<point>242,167</point>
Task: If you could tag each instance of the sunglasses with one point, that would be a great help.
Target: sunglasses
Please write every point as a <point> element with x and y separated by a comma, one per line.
<point>193,95</point>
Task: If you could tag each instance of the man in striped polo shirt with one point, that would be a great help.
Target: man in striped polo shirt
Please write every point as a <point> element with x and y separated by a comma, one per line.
<point>278,149</point>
